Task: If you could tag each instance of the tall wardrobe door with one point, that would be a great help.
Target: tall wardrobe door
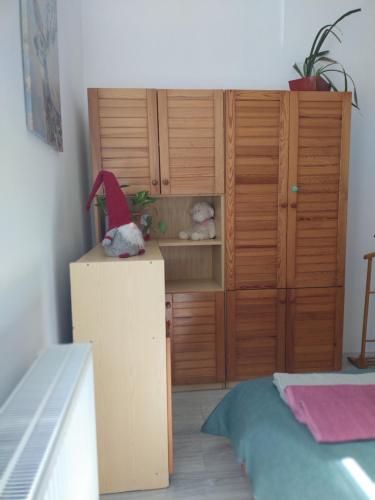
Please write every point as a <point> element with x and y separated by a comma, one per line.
<point>124,136</point>
<point>318,171</point>
<point>314,329</point>
<point>191,135</point>
<point>256,187</point>
<point>255,333</point>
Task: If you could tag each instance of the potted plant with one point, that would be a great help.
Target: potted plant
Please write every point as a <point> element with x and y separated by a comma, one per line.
<point>138,205</point>
<point>318,68</point>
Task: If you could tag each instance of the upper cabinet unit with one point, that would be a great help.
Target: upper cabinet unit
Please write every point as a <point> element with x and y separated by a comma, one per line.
<point>286,189</point>
<point>191,137</point>
<point>257,126</point>
<point>165,142</point>
<point>124,136</point>
<point>318,186</point>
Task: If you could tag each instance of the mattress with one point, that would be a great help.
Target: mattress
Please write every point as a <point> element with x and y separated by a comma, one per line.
<point>282,459</point>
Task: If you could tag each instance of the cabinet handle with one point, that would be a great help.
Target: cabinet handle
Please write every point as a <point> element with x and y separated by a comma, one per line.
<point>168,305</point>
<point>284,204</point>
<point>154,182</point>
<point>293,205</point>
<point>165,182</point>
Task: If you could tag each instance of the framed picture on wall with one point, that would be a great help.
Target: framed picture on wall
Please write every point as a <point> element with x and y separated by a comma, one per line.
<point>41,70</point>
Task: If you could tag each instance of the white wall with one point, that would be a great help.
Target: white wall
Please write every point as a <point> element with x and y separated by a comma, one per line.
<point>42,219</point>
<point>248,44</point>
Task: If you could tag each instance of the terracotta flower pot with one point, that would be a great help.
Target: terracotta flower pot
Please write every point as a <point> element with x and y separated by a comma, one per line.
<point>310,83</point>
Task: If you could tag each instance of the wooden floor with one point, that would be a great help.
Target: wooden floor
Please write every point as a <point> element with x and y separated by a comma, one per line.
<point>205,468</point>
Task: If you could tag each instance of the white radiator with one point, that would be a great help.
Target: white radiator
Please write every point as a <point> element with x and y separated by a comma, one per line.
<point>47,430</point>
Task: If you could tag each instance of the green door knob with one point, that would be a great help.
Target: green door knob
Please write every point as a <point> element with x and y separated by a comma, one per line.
<point>294,189</point>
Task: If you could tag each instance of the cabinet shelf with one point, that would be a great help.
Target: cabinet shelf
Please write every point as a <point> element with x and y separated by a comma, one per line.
<point>192,285</point>
<point>176,242</point>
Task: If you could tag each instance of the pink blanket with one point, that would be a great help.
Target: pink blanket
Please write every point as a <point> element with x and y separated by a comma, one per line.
<point>334,413</point>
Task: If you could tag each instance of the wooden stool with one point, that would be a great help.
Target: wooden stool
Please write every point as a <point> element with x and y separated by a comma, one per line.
<point>362,361</point>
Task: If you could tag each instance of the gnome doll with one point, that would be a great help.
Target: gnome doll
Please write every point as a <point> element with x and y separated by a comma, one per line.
<point>123,238</point>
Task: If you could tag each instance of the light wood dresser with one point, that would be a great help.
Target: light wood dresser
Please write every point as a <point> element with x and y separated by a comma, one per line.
<point>119,306</point>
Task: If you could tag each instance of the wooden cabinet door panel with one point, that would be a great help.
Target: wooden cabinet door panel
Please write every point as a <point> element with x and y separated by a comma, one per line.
<point>256,186</point>
<point>255,333</point>
<point>318,167</point>
<point>198,338</point>
<point>191,135</point>
<point>314,329</point>
<point>124,136</point>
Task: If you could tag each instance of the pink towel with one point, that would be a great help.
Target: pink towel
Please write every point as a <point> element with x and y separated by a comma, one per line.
<point>334,413</point>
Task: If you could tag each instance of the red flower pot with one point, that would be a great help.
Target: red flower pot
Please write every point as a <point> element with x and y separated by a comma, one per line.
<point>310,83</point>
<point>322,85</point>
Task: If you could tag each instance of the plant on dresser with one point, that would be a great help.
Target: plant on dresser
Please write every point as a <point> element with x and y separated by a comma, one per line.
<point>319,68</point>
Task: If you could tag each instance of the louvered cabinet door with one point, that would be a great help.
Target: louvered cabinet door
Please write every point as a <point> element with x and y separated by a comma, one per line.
<point>314,329</point>
<point>318,184</point>
<point>191,136</point>
<point>197,334</point>
<point>256,189</point>
<point>124,136</point>
<point>255,333</point>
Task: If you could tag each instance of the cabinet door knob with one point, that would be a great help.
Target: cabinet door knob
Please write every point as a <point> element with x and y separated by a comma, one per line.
<point>165,182</point>
<point>284,204</point>
<point>168,305</point>
<point>293,205</point>
<point>154,182</point>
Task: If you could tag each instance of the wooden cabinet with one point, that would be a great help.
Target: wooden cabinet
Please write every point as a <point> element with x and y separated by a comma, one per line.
<point>118,305</point>
<point>256,189</point>
<point>283,238</point>
<point>255,333</point>
<point>191,135</point>
<point>318,184</point>
<point>197,331</point>
<point>286,194</point>
<point>124,136</point>
<point>314,329</point>
<point>129,127</point>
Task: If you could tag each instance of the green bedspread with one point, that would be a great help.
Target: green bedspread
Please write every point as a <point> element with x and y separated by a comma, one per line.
<point>281,457</point>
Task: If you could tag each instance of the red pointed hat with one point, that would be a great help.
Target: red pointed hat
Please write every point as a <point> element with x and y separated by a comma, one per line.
<point>118,209</point>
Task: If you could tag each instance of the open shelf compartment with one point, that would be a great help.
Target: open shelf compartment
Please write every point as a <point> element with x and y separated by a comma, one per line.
<point>190,265</point>
<point>175,212</point>
<point>198,267</point>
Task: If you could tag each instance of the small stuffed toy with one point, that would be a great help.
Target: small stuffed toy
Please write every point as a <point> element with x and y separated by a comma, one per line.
<point>123,238</point>
<point>204,223</point>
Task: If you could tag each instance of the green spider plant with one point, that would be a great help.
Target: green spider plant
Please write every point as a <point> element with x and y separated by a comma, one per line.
<point>319,63</point>
<point>137,201</point>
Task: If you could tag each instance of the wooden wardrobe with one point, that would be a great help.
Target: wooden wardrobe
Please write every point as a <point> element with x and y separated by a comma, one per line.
<point>287,159</point>
<point>274,165</point>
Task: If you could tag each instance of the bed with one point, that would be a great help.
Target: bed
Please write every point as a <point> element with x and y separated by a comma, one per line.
<point>281,457</point>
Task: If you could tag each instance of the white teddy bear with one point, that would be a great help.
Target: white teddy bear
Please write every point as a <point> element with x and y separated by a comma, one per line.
<point>204,223</point>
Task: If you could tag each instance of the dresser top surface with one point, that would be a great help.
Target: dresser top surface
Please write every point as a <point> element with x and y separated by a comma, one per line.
<point>98,255</point>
